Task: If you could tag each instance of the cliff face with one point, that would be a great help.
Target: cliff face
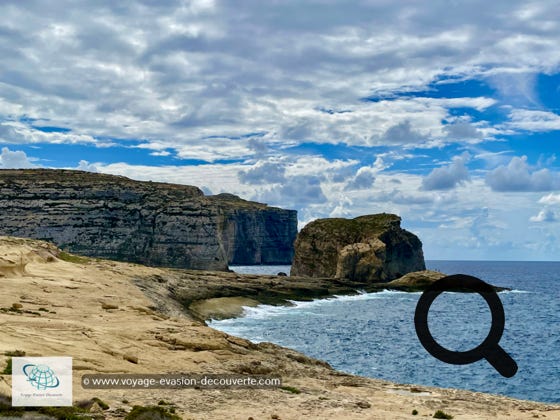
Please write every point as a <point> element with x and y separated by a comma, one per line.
<point>117,218</point>
<point>264,235</point>
<point>253,233</point>
<point>370,248</point>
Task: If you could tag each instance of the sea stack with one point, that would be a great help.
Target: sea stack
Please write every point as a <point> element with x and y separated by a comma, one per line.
<point>368,249</point>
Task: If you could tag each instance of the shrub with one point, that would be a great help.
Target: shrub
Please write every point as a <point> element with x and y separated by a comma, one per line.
<point>76,259</point>
<point>8,369</point>
<point>64,413</point>
<point>6,409</point>
<point>151,413</point>
<point>441,415</point>
<point>102,404</point>
<point>15,353</point>
<point>291,389</point>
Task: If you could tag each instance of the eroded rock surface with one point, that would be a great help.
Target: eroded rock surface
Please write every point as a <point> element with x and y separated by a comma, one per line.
<point>151,223</point>
<point>93,310</point>
<point>371,248</point>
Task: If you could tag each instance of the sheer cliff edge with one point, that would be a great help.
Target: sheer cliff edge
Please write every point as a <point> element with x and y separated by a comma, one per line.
<point>152,223</point>
<point>372,248</point>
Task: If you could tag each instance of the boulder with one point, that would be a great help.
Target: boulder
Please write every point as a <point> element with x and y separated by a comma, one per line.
<point>416,281</point>
<point>368,249</point>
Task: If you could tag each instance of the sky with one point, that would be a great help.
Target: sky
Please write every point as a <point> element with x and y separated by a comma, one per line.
<point>444,112</point>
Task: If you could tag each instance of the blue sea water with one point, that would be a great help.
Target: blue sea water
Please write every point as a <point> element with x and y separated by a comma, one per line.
<point>373,334</point>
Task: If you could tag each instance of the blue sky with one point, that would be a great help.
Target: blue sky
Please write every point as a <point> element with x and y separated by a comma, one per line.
<point>446,113</point>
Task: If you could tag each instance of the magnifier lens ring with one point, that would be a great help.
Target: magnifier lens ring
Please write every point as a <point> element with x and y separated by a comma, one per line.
<point>433,347</point>
<point>450,283</point>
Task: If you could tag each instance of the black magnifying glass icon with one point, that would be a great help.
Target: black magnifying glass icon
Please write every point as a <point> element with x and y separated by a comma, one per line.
<point>489,349</point>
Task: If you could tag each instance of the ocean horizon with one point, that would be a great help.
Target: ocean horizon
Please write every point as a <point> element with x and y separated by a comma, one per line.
<point>373,334</point>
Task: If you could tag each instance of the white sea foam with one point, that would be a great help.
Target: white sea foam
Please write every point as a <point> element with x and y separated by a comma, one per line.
<point>514,291</point>
<point>305,307</point>
<point>298,308</point>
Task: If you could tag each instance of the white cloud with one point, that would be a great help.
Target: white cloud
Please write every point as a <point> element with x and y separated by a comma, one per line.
<point>13,132</point>
<point>297,192</point>
<point>532,120</point>
<point>16,159</point>
<point>363,179</point>
<point>195,76</point>
<point>160,153</point>
<point>264,173</point>
<point>84,165</point>
<point>402,133</point>
<point>550,199</point>
<point>545,215</point>
<point>447,177</point>
<point>463,130</point>
<point>519,176</point>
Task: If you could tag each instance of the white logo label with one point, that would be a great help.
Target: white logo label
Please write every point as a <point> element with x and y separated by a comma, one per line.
<point>42,381</point>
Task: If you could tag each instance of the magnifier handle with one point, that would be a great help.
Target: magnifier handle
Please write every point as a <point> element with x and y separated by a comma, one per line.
<point>501,361</point>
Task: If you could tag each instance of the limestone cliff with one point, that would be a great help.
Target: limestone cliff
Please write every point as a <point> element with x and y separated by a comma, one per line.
<point>145,222</point>
<point>371,248</point>
<point>263,235</point>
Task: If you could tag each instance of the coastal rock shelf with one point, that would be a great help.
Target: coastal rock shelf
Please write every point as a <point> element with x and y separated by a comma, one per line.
<point>108,316</point>
<point>151,223</point>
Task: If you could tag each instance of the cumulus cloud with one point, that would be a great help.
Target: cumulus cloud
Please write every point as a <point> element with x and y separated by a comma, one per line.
<point>402,133</point>
<point>363,179</point>
<point>463,130</point>
<point>545,215</point>
<point>84,165</point>
<point>296,192</point>
<point>447,177</point>
<point>264,173</point>
<point>258,146</point>
<point>18,132</point>
<point>519,176</point>
<point>183,73</point>
<point>16,159</point>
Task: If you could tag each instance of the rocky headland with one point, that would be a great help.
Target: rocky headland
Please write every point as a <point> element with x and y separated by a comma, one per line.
<point>151,223</point>
<point>115,317</point>
<point>369,249</point>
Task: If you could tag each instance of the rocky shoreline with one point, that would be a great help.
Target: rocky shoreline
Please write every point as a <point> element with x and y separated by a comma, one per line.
<point>114,317</point>
<point>209,295</point>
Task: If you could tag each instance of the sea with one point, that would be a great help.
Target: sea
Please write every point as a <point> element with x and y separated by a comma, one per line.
<point>373,334</point>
